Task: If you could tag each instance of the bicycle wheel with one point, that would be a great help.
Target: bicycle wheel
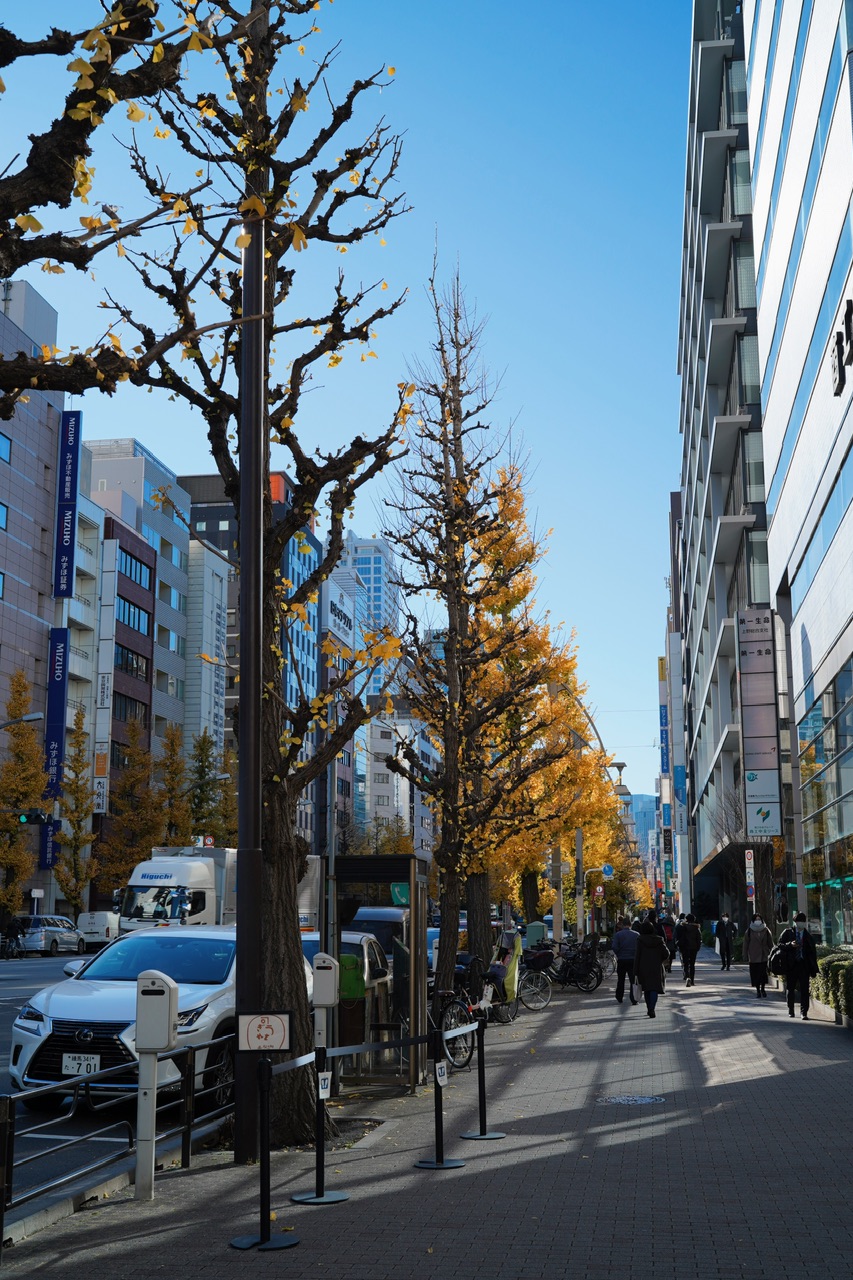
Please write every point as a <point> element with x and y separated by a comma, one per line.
<point>534,990</point>
<point>506,1012</point>
<point>590,980</point>
<point>460,1049</point>
<point>607,960</point>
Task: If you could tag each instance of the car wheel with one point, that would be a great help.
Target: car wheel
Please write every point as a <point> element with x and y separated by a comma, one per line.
<point>219,1076</point>
<point>54,948</point>
<point>81,947</point>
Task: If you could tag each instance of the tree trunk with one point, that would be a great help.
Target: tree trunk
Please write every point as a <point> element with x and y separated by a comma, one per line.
<point>530,896</point>
<point>292,1102</point>
<point>450,895</point>
<point>477,897</point>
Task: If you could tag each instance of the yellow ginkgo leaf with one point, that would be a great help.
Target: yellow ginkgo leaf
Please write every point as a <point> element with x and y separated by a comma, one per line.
<point>243,240</point>
<point>158,54</point>
<point>27,222</point>
<point>392,71</point>
<point>253,204</point>
<point>300,240</point>
<point>134,112</point>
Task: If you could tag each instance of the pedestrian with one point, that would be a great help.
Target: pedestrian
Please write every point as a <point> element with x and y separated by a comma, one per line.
<point>724,932</point>
<point>800,953</point>
<point>624,948</point>
<point>757,945</point>
<point>690,942</point>
<point>650,965</point>
<point>636,924</point>
<point>659,929</point>
<point>12,936</point>
<point>668,926</point>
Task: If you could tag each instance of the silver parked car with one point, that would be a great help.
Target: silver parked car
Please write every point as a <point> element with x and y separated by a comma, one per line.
<point>50,934</point>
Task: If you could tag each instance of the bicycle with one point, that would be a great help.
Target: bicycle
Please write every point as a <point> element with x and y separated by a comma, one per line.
<point>577,967</point>
<point>498,1009</point>
<point>606,958</point>
<point>452,1013</point>
<point>14,949</point>
<point>534,986</point>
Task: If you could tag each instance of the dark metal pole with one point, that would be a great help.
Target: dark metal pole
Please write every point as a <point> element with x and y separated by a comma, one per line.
<point>249,855</point>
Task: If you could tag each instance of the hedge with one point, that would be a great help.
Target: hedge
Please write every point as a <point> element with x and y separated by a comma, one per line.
<point>833,985</point>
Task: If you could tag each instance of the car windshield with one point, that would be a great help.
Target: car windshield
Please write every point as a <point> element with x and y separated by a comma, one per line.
<point>178,953</point>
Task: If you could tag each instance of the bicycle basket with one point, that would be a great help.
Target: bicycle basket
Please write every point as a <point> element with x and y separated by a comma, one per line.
<point>538,960</point>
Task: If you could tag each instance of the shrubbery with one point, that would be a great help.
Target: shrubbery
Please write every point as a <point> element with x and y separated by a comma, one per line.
<point>834,984</point>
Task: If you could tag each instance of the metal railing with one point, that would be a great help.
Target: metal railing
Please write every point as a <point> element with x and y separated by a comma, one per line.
<point>94,1093</point>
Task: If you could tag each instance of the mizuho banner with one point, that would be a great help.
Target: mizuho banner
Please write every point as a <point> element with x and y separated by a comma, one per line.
<point>70,430</point>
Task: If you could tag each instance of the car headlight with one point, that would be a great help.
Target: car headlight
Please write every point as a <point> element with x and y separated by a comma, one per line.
<point>190,1017</point>
<point>29,1014</point>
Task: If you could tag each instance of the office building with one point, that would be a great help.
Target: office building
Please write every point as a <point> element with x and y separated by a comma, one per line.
<point>799,106</point>
<point>720,560</point>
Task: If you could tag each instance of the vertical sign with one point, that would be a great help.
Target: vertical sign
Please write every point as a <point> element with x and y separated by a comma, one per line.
<point>66,504</point>
<point>749,856</point>
<point>54,736</point>
<point>759,733</point>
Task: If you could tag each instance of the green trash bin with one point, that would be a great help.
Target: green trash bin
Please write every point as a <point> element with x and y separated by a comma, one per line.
<point>536,933</point>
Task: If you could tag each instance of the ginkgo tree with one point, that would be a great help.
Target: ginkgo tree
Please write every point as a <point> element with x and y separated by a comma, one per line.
<point>236,121</point>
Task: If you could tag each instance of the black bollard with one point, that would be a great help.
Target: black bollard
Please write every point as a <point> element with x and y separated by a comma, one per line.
<point>263,1240</point>
<point>320,1195</point>
<point>484,1134</point>
<point>438,1061</point>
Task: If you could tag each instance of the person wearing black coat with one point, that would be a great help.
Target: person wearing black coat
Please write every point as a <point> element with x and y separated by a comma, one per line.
<point>650,965</point>
<point>724,932</point>
<point>800,954</point>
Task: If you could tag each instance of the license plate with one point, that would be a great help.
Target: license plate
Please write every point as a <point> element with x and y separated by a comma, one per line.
<point>80,1064</point>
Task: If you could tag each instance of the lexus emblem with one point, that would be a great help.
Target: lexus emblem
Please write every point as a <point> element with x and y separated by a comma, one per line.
<point>84,1036</point>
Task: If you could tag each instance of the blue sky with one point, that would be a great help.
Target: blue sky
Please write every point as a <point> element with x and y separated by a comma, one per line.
<point>544,151</point>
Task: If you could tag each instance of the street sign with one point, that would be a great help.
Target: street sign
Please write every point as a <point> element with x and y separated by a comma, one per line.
<point>400,894</point>
<point>607,871</point>
<point>750,870</point>
<point>599,891</point>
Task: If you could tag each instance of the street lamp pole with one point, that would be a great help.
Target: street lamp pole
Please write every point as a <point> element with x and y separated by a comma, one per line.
<point>27,719</point>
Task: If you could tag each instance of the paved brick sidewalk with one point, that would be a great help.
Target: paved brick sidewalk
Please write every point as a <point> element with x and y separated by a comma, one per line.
<point>736,1171</point>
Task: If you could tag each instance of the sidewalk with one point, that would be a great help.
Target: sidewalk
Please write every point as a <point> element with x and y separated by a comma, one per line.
<point>734,1165</point>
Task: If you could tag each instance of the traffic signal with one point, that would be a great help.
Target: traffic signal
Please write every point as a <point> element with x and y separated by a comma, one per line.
<point>32,818</point>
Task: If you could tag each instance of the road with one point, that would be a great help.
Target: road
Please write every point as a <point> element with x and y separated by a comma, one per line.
<point>19,981</point>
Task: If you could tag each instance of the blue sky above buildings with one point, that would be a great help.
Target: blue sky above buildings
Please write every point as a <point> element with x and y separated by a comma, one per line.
<point>544,153</point>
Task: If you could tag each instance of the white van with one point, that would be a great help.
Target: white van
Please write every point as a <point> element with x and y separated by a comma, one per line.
<point>97,928</point>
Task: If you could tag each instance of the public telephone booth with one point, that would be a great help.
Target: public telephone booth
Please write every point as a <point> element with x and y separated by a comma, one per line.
<point>400,879</point>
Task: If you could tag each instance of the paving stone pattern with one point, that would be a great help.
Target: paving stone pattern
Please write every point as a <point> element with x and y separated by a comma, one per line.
<point>740,1171</point>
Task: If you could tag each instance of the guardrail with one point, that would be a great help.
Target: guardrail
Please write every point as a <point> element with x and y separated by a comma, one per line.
<point>95,1094</point>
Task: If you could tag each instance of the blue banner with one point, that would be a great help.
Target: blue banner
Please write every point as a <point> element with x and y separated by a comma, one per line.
<point>664,751</point>
<point>54,735</point>
<point>664,715</point>
<point>679,783</point>
<point>667,815</point>
<point>66,506</point>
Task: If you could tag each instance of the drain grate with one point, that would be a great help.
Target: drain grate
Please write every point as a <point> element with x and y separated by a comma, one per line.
<point>630,1099</point>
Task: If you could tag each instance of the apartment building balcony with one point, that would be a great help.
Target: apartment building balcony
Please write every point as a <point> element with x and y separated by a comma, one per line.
<point>711,59</point>
<point>715,147</point>
<point>725,433</point>
<point>716,254</point>
<point>728,534</point>
<point>722,334</point>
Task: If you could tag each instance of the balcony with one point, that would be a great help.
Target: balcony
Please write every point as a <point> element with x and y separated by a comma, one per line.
<point>710,63</point>
<point>712,170</point>
<point>727,538</point>
<point>721,341</point>
<point>716,256</point>
<point>724,438</point>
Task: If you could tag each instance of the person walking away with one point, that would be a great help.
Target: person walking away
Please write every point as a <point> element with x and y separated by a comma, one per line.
<point>624,949</point>
<point>652,917</point>
<point>668,926</point>
<point>724,932</point>
<point>677,935</point>
<point>650,965</point>
<point>757,945</point>
<point>691,941</point>
<point>800,952</point>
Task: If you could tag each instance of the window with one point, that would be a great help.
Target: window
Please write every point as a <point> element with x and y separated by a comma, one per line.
<point>383,800</point>
<point>132,616</point>
<point>385,733</point>
<point>134,569</point>
<point>343,787</point>
<point>2,585</point>
<point>4,515</point>
<point>345,757</point>
<point>125,709</point>
<point>5,448</point>
<point>382,778</point>
<point>132,664</point>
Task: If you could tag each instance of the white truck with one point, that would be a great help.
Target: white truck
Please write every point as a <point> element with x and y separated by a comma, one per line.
<point>197,886</point>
